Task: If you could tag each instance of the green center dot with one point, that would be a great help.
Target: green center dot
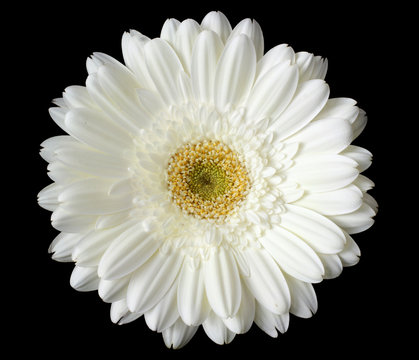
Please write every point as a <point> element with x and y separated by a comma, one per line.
<point>208,181</point>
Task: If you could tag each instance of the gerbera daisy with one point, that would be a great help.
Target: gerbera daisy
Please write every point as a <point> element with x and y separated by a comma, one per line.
<point>206,182</point>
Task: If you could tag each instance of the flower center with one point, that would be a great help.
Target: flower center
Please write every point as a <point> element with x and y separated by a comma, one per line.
<point>207,179</point>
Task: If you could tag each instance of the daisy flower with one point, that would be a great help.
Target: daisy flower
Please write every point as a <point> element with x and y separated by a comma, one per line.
<point>206,182</point>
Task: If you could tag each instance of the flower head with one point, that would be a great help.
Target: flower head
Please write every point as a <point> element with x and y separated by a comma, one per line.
<point>206,182</point>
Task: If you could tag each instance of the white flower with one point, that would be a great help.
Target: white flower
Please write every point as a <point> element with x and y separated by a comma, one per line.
<point>205,182</point>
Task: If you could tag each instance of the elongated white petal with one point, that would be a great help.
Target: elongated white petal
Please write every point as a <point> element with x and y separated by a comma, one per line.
<point>165,313</point>
<point>340,108</point>
<point>127,252</point>
<point>168,31</point>
<point>235,72</point>
<point>217,22</point>
<point>186,34</point>
<point>70,222</point>
<point>293,255</point>
<point>163,66</point>
<point>350,254</point>
<point>272,92</point>
<point>113,290</point>
<point>205,55</point>
<point>270,322</point>
<point>303,298</point>
<point>332,265</point>
<point>120,86</point>
<point>191,298</point>
<point>151,281</point>
<point>84,278</point>
<point>76,96</point>
<point>96,130</point>
<point>243,320</point>
<point>357,221</point>
<point>362,156</point>
<point>330,135</point>
<point>323,172</point>
<point>217,331</point>
<point>89,161</point>
<point>62,246</point>
<point>359,124</point>
<point>316,230</point>
<point>309,99</point>
<point>48,196</point>
<point>91,197</point>
<point>252,29</point>
<point>58,114</point>
<point>275,56</point>
<point>335,202</point>
<point>222,283</point>
<point>266,281</point>
<point>134,57</point>
<point>178,335</point>
<point>91,247</point>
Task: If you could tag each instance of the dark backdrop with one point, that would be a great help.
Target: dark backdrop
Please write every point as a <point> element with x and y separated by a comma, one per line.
<point>358,312</point>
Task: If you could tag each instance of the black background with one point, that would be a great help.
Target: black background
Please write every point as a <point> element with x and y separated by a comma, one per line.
<point>360,313</point>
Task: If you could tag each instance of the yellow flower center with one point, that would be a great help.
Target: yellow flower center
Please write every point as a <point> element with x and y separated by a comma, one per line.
<point>207,180</point>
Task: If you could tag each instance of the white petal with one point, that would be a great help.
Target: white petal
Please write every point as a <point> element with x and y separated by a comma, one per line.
<point>120,86</point>
<point>270,322</point>
<point>275,56</point>
<point>168,31</point>
<point>253,30</point>
<point>77,96</point>
<point>359,124</point>
<point>217,331</point>
<point>362,156</point>
<point>70,222</point>
<point>178,335</point>
<point>62,246</point>
<point>48,196</point>
<point>118,310</point>
<point>205,55</point>
<point>309,99</point>
<point>293,255</point>
<point>272,92</point>
<point>323,172</point>
<point>319,68</point>
<point>127,252</point>
<point>191,298</point>
<point>133,52</point>
<point>89,161</point>
<point>332,265</point>
<point>363,183</point>
<point>151,281</point>
<point>336,202</point>
<point>330,135</point>
<point>222,283</point>
<point>357,221</point>
<point>58,115</point>
<point>164,66</point>
<point>266,281</point>
<point>235,72</point>
<point>217,22</point>
<point>341,108</point>
<point>316,230</point>
<point>243,320</point>
<point>350,254</point>
<point>91,196</point>
<point>84,278</point>
<point>305,63</point>
<point>165,313</point>
<point>303,298</point>
<point>92,246</point>
<point>113,290</point>
<point>186,34</point>
<point>96,130</point>
<point>99,59</point>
